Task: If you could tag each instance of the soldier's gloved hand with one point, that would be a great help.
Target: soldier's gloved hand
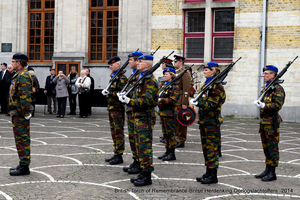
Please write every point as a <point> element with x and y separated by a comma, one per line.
<point>105,92</point>
<point>118,94</point>
<point>124,99</point>
<point>159,99</point>
<point>193,103</point>
<point>28,117</point>
<point>259,104</point>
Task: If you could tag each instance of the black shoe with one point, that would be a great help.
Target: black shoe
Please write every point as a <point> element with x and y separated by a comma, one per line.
<point>70,113</point>
<point>136,169</point>
<point>132,180</point>
<point>204,176</point>
<point>162,141</point>
<point>22,170</point>
<point>219,149</point>
<point>165,154</point>
<point>264,173</point>
<point>170,156</point>
<point>179,145</point>
<point>58,116</point>
<point>14,168</point>
<point>7,115</point>
<point>144,180</point>
<point>125,169</point>
<point>109,159</point>
<point>118,159</point>
<point>212,178</point>
<point>271,176</point>
<point>162,137</point>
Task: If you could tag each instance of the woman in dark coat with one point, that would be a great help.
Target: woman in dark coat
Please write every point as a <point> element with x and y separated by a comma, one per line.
<point>72,90</point>
<point>35,89</point>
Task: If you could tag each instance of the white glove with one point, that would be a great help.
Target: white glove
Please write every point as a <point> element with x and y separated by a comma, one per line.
<point>193,103</point>
<point>259,104</point>
<point>118,94</point>
<point>28,117</point>
<point>105,92</point>
<point>124,99</point>
<point>122,94</point>
<point>159,99</point>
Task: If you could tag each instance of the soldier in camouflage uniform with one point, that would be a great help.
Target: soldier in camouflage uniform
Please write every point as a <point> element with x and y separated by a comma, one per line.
<point>167,112</point>
<point>116,112</point>
<point>135,167</point>
<point>143,101</point>
<point>21,112</point>
<point>209,119</point>
<point>269,123</point>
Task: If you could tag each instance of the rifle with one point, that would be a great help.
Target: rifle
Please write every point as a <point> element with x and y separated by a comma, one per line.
<point>148,73</point>
<point>116,76</point>
<point>276,80</point>
<point>218,79</point>
<point>174,81</point>
<point>195,73</point>
<point>133,76</point>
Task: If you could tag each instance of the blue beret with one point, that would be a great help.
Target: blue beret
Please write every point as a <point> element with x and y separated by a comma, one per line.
<point>270,67</point>
<point>20,56</point>
<point>135,54</point>
<point>114,59</point>
<point>211,64</point>
<point>146,57</point>
<point>169,70</point>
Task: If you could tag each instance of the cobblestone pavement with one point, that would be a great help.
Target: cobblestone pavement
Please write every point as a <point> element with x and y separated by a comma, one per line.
<point>68,163</point>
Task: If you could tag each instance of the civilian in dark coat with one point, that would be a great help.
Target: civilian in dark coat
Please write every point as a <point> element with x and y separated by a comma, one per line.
<point>50,92</point>
<point>92,90</point>
<point>11,73</point>
<point>5,80</point>
<point>35,89</point>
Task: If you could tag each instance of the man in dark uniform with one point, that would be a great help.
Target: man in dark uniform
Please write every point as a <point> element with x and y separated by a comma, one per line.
<point>269,123</point>
<point>183,102</point>
<point>135,167</point>
<point>88,72</point>
<point>116,111</point>
<point>143,101</point>
<point>50,92</point>
<point>21,112</point>
<point>4,87</point>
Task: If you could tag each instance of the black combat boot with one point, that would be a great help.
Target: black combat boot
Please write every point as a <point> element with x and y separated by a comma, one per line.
<point>170,156</point>
<point>264,173</point>
<point>20,170</point>
<point>204,176</point>
<point>14,168</point>
<point>219,149</point>
<point>109,159</point>
<point>125,169</point>
<point>165,154</point>
<point>162,137</point>
<point>271,176</point>
<point>118,159</point>
<point>136,169</point>
<point>212,178</point>
<point>133,179</point>
<point>144,180</point>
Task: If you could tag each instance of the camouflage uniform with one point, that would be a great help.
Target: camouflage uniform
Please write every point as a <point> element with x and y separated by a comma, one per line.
<point>167,114</point>
<point>20,106</point>
<point>209,117</point>
<point>143,102</point>
<point>133,140</point>
<point>274,101</point>
<point>116,114</point>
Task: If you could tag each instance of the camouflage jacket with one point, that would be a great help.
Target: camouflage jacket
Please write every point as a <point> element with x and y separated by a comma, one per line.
<point>210,105</point>
<point>274,101</point>
<point>112,97</point>
<point>168,101</point>
<point>20,94</point>
<point>128,108</point>
<point>144,97</point>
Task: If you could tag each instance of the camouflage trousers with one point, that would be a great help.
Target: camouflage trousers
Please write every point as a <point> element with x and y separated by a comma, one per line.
<point>145,136</point>
<point>116,120</point>
<point>168,129</point>
<point>270,140</point>
<point>209,134</point>
<point>22,138</point>
<point>133,139</point>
